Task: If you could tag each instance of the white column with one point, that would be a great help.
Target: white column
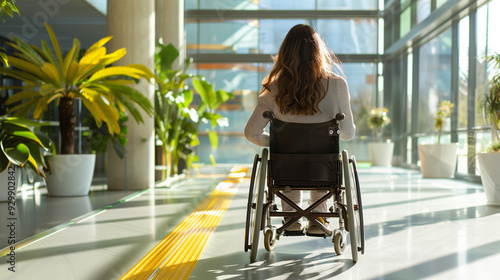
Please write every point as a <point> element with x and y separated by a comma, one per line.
<point>132,25</point>
<point>170,26</point>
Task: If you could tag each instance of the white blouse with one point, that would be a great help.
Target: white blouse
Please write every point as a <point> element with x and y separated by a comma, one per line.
<point>337,100</point>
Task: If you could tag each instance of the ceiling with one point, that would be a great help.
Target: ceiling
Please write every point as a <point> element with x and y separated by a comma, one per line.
<point>68,18</point>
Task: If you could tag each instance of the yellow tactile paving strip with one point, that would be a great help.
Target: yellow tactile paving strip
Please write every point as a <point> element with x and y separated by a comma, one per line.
<point>175,256</point>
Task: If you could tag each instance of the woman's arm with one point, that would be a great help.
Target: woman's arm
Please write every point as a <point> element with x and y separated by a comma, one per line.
<point>255,128</point>
<point>347,126</point>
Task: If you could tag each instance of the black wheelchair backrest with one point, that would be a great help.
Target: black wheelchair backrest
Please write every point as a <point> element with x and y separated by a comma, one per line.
<point>305,154</point>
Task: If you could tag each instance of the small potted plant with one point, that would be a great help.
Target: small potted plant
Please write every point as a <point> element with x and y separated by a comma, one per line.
<point>102,88</point>
<point>19,147</point>
<point>489,160</point>
<point>439,160</point>
<point>380,152</point>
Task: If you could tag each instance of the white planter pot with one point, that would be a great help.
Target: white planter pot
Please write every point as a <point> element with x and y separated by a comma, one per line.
<point>10,180</point>
<point>490,177</point>
<point>381,153</point>
<point>438,160</point>
<point>71,174</point>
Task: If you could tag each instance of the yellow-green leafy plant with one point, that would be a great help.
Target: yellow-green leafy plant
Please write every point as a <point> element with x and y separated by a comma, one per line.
<point>7,7</point>
<point>20,145</point>
<point>49,77</point>
<point>444,112</point>
<point>377,119</point>
<point>177,119</point>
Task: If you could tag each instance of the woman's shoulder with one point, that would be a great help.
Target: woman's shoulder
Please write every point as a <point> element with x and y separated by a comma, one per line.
<point>336,79</point>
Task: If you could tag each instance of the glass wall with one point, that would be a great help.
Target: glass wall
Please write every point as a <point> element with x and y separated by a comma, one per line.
<point>233,51</point>
<point>280,5</point>
<point>434,80</point>
<point>447,60</point>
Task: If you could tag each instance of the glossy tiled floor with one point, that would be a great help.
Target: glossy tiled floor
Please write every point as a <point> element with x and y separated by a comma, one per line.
<point>415,229</point>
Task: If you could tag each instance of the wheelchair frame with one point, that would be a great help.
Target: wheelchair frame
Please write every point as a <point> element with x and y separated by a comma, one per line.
<point>347,205</point>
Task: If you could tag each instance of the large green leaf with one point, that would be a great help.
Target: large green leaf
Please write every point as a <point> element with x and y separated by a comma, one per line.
<point>35,153</point>
<point>23,121</point>
<point>206,92</point>
<point>28,52</point>
<point>21,95</point>
<point>188,97</point>
<point>55,44</point>
<point>11,127</point>
<point>165,56</point>
<point>27,66</point>
<point>18,155</point>
<point>113,72</point>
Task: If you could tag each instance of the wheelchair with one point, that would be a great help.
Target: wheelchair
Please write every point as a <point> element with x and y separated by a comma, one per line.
<point>304,157</point>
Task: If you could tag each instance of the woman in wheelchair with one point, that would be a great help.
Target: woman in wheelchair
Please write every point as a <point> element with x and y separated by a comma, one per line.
<point>305,85</point>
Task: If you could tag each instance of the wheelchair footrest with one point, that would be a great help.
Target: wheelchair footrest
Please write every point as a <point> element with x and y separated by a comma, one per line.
<point>294,233</point>
<point>317,235</point>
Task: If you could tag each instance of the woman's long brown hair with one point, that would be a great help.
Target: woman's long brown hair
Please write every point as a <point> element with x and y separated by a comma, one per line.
<point>302,61</point>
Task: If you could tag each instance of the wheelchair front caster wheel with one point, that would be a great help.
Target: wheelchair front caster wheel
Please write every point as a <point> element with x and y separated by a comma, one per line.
<point>269,240</point>
<point>339,243</point>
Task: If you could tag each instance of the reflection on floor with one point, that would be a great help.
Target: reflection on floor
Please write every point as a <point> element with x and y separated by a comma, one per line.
<point>415,229</point>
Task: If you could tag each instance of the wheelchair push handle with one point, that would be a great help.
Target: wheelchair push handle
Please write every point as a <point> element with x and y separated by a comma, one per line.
<point>339,117</point>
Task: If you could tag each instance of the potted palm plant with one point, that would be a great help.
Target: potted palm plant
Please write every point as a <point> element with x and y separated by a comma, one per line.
<point>380,152</point>
<point>19,147</point>
<point>489,160</point>
<point>439,160</point>
<point>103,89</point>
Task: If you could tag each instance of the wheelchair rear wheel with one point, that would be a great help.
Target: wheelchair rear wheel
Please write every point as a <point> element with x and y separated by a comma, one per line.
<point>361,225</point>
<point>255,204</point>
<point>351,195</point>
<point>250,205</point>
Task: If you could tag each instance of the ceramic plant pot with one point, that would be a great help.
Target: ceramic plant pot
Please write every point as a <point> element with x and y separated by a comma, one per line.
<point>71,174</point>
<point>490,176</point>
<point>438,160</point>
<point>381,153</point>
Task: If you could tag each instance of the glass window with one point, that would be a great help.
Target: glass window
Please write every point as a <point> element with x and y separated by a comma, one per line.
<point>488,43</point>
<point>287,4</point>
<point>423,9</point>
<point>352,36</point>
<point>405,22</point>
<point>231,36</point>
<point>273,31</point>
<point>493,23</point>
<point>481,62</point>
<point>244,81</point>
<point>220,5</point>
<point>439,3</point>
<point>409,90</point>
<point>347,5</point>
<point>435,80</point>
<point>463,73</point>
<point>361,78</point>
<point>281,5</point>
